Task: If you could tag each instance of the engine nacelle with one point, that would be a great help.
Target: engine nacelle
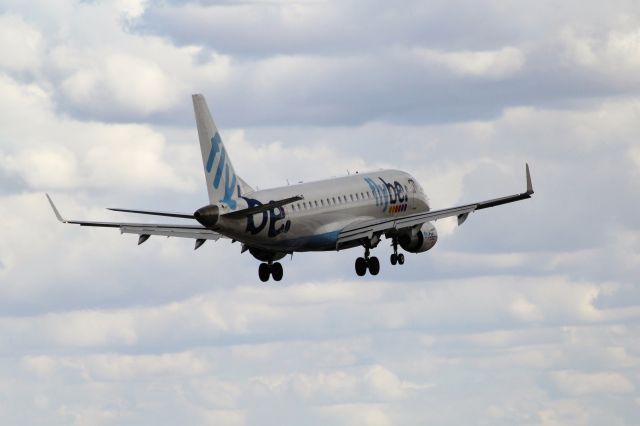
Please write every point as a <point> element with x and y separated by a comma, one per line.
<point>419,240</point>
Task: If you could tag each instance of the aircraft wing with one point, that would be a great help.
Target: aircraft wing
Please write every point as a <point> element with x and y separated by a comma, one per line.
<point>145,230</point>
<point>366,229</point>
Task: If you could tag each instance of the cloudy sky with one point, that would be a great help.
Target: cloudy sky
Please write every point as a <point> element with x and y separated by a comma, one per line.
<point>527,314</point>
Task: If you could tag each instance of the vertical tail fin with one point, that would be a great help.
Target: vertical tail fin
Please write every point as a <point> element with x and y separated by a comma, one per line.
<point>223,185</point>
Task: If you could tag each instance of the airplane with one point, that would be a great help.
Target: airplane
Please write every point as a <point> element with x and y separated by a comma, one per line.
<point>356,210</point>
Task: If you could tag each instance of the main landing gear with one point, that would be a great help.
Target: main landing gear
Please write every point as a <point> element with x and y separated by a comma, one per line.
<point>366,262</point>
<point>270,269</point>
<point>395,257</point>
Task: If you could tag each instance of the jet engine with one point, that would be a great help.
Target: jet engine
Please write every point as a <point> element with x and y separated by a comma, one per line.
<point>419,239</point>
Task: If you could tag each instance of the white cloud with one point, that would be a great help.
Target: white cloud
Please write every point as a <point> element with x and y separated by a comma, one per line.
<point>634,153</point>
<point>521,314</point>
<point>41,365</point>
<point>265,159</point>
<point>615,53</point>
<point>385,384</point>
<point>48,151</point>
<point>358,414</point>
<point>252,313</point>
<point>51,167</point>
<point>496,64</point>
<point>524,310</point>
<point>131,8</point>
<point>578,383</point>
<point>20,43</point>
<point>133,84</point>
<point>118,367</point>
<point>224,417</point>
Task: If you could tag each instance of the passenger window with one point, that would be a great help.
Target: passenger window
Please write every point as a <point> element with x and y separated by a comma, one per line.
<point>328,202</point>
<point>334,200</point>
<point>322,203</point>
<point>316,202</point>
<point>357,197</point>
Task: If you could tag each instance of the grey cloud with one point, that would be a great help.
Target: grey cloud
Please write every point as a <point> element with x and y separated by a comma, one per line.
<point>378,78</point>
<point>246,378</point>
<point>268,28</point>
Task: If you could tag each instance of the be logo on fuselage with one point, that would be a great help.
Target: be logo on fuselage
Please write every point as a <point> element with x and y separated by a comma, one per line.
<point>273,218</point>
<point>229,175</point>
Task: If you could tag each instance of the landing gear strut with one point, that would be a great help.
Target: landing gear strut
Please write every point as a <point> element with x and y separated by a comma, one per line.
<point>366,262</point>
<point>270,269</point>
<point>395,257</point>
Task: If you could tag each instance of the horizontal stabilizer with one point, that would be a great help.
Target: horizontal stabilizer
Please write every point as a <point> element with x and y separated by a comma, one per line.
<point>154,213</point>
<point>263,208</point>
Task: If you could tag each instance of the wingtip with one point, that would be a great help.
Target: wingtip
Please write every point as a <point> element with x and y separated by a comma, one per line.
<point>55,210</point>
<point>529,184</point>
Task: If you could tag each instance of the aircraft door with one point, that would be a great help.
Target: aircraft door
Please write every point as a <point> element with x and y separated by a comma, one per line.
<point>412,195</point>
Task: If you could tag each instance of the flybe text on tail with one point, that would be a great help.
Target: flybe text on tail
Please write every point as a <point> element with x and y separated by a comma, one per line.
<point>229,176</point>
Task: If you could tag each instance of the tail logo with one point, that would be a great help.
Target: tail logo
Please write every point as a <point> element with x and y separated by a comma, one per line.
<point>230,177</point>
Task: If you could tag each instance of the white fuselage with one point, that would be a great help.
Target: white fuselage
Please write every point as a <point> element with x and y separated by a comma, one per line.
<point>313,224</point>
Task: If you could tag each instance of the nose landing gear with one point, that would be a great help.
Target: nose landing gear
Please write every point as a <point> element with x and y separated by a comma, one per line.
<point>366,262</point>
<point>270,269</point>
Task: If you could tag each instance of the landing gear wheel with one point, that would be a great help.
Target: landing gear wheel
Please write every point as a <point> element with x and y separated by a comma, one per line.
<point>374,265</point>
<point>276,271</point>
<point>401,259</point>
<point>263,272</point>
<point>394,259</point>
<point>361,266</point>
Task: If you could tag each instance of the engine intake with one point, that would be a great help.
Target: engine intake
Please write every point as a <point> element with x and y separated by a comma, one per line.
<point>419,240</point>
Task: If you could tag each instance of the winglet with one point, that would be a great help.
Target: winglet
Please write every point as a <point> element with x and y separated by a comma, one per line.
<point>55,210</point>
<point>529,184</point>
